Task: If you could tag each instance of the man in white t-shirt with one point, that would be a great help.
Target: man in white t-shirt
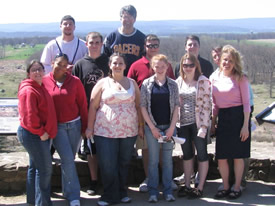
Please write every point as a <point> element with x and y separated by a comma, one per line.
<point>67,43</point>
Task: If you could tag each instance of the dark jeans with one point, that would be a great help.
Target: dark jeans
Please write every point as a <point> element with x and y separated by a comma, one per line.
<point>40,169</point>
<point>114,155</point>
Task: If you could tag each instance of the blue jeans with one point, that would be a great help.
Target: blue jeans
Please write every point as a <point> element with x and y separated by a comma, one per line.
<point>114,156</point>
<point>167,164</point>
<point>66,144</point>
<point>40,169</point>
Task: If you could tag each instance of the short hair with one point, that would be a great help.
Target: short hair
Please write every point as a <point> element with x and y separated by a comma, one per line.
<point>159,57</point>
<point>237,58</point>
<point>194,60</point>
<point>94,34</point>
<point>151,37</point>
<point>130,10</point>
<point>116,54</point>
<point>217,49</point>
<point>62,55</point>
<point>32,62</point>
<point>192,37</point>
<point>67,17</point>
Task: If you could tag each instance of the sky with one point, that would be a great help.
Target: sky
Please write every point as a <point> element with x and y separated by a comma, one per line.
<point>38,11</point>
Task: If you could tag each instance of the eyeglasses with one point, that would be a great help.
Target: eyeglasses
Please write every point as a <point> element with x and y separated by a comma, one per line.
<point>188,66</point>
<point>39,69</point>
<point>151,46</point>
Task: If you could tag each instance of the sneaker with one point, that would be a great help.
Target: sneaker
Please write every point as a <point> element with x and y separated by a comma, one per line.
<point>170,198</point>
<point>102,203</point>
<point>173,185</point>
<point>126,200</point>
<point>153,199</point>
<point>75,203</point>
<point>179,180</point>
<point>184,191</point>
<point>92,188</point>
<point>143,186</point>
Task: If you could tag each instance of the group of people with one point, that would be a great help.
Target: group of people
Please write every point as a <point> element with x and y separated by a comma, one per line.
<point>129,95</point>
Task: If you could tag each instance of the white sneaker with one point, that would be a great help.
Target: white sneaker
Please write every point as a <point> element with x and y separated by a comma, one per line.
<point>179,180</point>
<point>143,186</point>
<point>170,198</point>
<point>75,203</point>
<point>173,185</point>
<point>153,199</point>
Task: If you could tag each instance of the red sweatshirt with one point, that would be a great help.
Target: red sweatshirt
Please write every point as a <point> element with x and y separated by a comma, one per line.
<point>69,100</point>
<point>36,109</point>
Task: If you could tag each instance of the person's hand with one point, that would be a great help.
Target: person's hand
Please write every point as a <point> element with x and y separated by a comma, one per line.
<point>244,133</point>
<point>156,133</point>
<point>141,132</point>
<point>44,137</point>
<point>89,133</point>
<point>83,135</point>
<point>213,130</point>
<point>169,133</point>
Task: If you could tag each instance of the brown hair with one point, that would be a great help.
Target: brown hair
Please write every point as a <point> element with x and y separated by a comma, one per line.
<point>195,61</point>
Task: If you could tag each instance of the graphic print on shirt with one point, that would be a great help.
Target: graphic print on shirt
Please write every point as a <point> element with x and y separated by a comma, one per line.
<point>127,49</point>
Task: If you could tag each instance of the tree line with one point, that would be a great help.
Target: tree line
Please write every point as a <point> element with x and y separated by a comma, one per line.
<point>259,61</point>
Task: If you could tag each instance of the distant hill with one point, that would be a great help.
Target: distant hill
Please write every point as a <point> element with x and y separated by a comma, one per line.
<point>165,27</point>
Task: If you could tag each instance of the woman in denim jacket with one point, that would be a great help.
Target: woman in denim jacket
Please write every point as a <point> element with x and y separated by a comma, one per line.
<point>159,107</point>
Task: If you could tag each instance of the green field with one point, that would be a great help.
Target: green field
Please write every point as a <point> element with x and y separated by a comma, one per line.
<point>16,53</point>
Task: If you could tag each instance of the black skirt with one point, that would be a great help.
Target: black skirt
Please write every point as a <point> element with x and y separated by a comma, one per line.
<point>228,142</point>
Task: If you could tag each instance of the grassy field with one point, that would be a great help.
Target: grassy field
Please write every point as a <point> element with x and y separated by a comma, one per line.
<point>261,42</point>
<point>23,53</point>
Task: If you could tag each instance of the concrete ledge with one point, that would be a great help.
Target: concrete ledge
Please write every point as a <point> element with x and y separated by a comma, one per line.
<point>13,171</point>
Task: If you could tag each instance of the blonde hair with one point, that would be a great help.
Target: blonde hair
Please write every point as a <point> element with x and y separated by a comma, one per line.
<point>159,57</point>
<point>237,59</point>
<point>194,60</point>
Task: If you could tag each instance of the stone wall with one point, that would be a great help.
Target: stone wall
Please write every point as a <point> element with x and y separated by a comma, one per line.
<point>13,171</point>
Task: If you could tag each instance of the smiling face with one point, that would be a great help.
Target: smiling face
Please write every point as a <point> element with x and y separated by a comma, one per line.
<point>67,27</point>
<point>227,63</point>
<point>188,67</point>
<point>127,20</point>
<point>151,48</point>
<point>117,65</point>
<point>36,73</point>
<point>160,68</point>
<point>59,67</point>
<point>216,56</point>
<point>192,46</point>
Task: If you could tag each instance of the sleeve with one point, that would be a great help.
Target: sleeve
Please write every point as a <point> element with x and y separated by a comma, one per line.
<point>143,95</point>
<point>46,59</point>
<point>170,72</point>
<point>30,114</point>
<point>245,96</point>
<point>82,105</point>
<point>204,107</point>
<point>107,46</point>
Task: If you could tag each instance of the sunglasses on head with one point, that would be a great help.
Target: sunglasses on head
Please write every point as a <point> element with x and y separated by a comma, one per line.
<point>188,65</point>
<point>151,46</point>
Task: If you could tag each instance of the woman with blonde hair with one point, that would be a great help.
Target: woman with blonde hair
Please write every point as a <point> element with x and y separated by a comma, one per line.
<point>230,118</point>
<point>159,107</point>
<point>195,108</point>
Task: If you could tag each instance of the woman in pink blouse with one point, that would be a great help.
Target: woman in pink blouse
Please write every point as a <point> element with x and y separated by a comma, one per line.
<point>195,108</point>
<point>230,118</point>
<point>114,121</point>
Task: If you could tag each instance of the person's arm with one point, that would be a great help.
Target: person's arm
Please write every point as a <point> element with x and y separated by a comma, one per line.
<point>144,112</point>
<point>140,119</point>
<point>94,105</point>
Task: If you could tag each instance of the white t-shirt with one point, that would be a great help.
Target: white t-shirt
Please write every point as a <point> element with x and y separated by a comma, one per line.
<point>69,48</point>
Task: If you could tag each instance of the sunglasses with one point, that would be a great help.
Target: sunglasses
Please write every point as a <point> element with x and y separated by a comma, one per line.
<point>188,65</point>
<point>151,46</point>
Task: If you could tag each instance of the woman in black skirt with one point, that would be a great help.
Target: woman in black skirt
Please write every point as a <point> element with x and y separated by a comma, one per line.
<point>231,108</point>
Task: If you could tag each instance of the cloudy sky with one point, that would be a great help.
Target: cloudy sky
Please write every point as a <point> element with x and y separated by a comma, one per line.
<point>42,11</point>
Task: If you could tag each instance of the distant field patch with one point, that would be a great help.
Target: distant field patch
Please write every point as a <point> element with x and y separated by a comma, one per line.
<point>262,42</point>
